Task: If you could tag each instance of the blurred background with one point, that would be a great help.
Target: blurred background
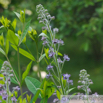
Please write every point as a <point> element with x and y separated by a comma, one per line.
<point>80,24</point>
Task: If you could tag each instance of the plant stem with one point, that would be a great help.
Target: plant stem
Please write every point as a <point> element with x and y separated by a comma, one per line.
<point>38,62</point>
<point>13,70</point>
<point>7,89</point>
<point>19,71</point>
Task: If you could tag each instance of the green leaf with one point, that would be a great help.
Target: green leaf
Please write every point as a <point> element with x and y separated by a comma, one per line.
<point>19,98</point>
<point>2,51</point>
<point>44,100</point>
<point>58,93</point>
<point>1,62</point>
<point>41,57</point>
<point>24,32</point>
<point>12,37</point>
<point>32,84</point>
<point>25,53</point>
<point>68,91</point>
<point>37,93</point>
<point>14,24</point>
<point>2,81</point>
<point>43,34</point>
<point>26,71</point>
<point>7,46</point>
<point>17,14</point>
<point>13,80</point>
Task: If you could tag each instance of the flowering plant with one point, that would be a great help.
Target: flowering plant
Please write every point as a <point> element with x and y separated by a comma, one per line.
<point>55,81</point>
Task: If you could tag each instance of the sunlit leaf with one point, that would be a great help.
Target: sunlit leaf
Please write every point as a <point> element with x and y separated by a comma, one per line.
<point>25,53</point>
<point>26,71</point>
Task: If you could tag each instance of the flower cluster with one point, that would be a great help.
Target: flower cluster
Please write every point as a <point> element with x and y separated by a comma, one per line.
<point>85,83</point>
<point>7,73</point>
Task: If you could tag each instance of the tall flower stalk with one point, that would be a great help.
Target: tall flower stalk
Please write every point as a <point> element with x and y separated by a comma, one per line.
<point>54,72</point>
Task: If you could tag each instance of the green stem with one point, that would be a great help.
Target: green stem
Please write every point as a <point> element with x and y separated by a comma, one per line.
<point>7,89</point>
<point>38,62</point>
<point>13,70</point>
<point>19,71</point>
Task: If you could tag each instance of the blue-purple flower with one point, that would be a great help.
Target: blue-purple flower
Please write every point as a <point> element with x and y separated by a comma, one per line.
<point>16,88</point>
<point>51,54</point>
<point>13,99</point>
<point>55,41</point>
<point>43,38</point>
<point>4,96</point>
<point>66,57</point>
<point>45,42</point>
<point>59,60</point>
<point>70,82</point>
<point>60,42</point>
<point>49,67</point>
<point>66,76</point>
<point>48,76</point>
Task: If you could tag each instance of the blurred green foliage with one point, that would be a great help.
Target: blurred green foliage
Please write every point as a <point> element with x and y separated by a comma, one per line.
<point>80,24</point>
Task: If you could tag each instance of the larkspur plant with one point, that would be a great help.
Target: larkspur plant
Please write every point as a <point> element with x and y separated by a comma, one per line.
<point>55,82</point>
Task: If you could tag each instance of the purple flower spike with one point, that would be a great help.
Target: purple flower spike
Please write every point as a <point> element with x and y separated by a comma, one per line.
<point>55,41</point>
<point>49,67</point>
<point>61,42</point>
<point>66,76</point>
<point>66,57</point>
<point>13,99</point>
<point>16,88</point>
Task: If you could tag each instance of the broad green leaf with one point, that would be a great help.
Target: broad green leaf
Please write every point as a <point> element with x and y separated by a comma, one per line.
<point>37,93</point>
<point>32,84</point>
<point>12,37</point>
<point>7,46</point>
<point>26,71</point>
<point>25,53</point>
<point>2,51</point>
<point>24,32</point>
<point>41,57</point>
